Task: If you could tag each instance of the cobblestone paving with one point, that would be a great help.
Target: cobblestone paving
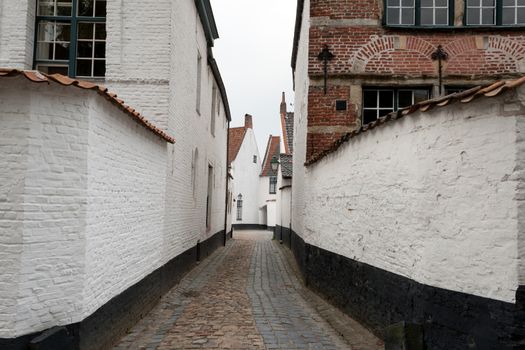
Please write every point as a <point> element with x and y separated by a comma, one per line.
<point>245,296</point>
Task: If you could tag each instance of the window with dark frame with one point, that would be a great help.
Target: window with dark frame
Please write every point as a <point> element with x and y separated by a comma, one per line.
<point>494,12</point>
<point>378,102</point>
<point>419,12</point>
<point>239,207</point>
<point>273,184</point>
<point>71,37</point>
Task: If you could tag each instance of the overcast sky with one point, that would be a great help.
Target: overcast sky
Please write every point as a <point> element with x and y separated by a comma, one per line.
<point>254,52</point>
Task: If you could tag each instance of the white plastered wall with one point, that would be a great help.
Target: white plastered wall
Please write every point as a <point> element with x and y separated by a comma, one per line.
<point>432,197</point>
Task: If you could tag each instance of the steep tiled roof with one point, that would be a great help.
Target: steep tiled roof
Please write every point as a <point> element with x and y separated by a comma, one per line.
<point>39,77</point>
<point>286,165</point>
<point>235,141</point>
<point>272,150</point>
<point>288,132</point>
<point>466,96</point>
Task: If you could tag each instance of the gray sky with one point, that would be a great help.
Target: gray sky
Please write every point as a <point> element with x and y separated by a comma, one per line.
<point>254,52</point>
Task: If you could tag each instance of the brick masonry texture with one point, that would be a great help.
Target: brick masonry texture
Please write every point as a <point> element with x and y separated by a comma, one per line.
<point>368,53</point>
<point>246,296</point>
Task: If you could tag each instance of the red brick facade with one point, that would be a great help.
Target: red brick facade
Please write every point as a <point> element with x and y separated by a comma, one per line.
<point>368,53</point>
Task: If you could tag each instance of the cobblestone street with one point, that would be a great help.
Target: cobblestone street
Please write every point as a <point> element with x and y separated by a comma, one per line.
<point>246,296</point>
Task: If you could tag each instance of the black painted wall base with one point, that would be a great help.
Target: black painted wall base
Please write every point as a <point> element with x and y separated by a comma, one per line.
<point>284,235</point>
<point>378,298</point>
<point>109,323</point>
<point>249,227</point>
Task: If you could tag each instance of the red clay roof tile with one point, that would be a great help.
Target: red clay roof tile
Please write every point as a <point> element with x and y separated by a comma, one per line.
<point>236,137</point>
<point>272,150</point>
<point>39,77</point>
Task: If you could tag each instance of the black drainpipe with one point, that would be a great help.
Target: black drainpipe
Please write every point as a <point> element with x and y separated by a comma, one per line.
<point>227,180</point>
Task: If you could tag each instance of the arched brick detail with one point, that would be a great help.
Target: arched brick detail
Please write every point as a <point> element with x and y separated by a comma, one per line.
<point>421,46</point>
<point>511,47</point>
<point>457,47</point>
<point>376,46</point>
<point>477,61</point>
<point>393,48</point>
<point>486,50</point>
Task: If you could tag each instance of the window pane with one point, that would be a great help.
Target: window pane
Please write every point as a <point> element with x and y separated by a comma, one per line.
<point>45,51</point>
<point>508,15</point>
<point>100,68</point>
<point>442,3</point>
<point>100,50</point>
<point>63,32</point>
<point>487,2</point>
<point>84,68</point>
<point>369,115</point>
<point>441,16</point>
<point>404,98</point>
<point>473,16</point>
<point>386,99</point>
<point>407,3</point>
<point>85,30</point>
<point>383,112</point>
<point>521,2</point>
<point>427,16</point>
<point>46,31</point>
<point>64,8</point>
<point>427,3</point>
<point>420,96</point>
<point>392,16</point>
<point>100,8</point>
<point>85,49</point>
<point>100,31</point>
<point>488,16</point>
<point>407,16</point>
<point>46,9</point>
<point>62,51</point>
<point>85,8</point>
<point>509,2</point>
<point>393,2</point>
<point>370,99</point>
<point>521,15</point>
<point>53,69</point>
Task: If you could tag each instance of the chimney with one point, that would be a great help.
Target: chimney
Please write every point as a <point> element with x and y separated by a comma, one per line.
<point>248,122</point>
<point>283,105</point>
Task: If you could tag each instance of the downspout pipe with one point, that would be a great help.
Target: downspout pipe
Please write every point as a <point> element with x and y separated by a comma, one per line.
<point>227,187</point>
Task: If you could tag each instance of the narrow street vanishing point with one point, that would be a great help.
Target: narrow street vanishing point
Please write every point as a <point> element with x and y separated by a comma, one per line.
<point>246,296</point>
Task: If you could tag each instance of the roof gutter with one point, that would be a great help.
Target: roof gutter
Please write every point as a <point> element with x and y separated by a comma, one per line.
<point>297,34</point>
<point>208,20</point>
<point>220,83</point>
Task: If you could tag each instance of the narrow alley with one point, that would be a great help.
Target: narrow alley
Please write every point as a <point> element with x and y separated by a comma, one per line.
<point>246,296</point>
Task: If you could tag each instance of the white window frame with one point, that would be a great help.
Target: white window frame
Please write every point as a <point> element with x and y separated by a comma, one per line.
<point>434,8</point>
<point>516,6</point>
<point>400,8</point>
<point>480,9</point>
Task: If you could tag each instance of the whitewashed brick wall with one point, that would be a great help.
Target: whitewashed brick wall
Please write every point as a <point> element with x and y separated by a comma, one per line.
<point>80,202</point>
<point>300,124</point>
<point>434,197</point>
<point>151,64</point>
<point>17,23</point>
